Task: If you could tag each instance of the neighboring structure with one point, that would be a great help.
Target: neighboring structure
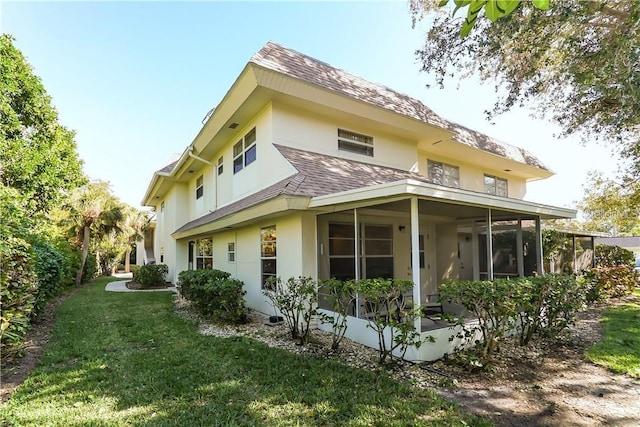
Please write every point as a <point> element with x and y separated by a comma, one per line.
<point>306,170</point>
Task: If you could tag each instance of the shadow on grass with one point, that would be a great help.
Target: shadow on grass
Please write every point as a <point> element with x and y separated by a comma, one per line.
<point>119,359</point>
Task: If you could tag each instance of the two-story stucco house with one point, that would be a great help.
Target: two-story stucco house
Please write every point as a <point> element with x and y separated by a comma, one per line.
<point>306,170</point>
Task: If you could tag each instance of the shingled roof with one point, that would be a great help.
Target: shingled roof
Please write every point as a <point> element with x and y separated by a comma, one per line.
<point>317,175</point>
<point>299,66</point>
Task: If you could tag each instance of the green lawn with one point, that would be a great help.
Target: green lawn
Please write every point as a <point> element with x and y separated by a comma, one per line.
<point>619,349</point>
<point>126,359</point>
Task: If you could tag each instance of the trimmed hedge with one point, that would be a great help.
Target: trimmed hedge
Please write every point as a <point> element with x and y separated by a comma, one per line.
<point>151,275</point>
<point>214,293</point>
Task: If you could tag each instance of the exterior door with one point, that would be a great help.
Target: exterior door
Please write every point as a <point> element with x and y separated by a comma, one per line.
<point>427,244</point>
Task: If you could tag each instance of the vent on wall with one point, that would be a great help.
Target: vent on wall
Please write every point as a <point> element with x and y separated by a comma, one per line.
<point>233,125</point>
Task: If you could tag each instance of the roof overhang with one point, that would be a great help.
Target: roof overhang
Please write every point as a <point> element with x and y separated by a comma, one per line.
<point>272,208</point>
<point>393,190</point>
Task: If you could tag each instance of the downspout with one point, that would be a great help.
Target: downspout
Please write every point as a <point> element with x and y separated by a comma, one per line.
<point>215,176</point>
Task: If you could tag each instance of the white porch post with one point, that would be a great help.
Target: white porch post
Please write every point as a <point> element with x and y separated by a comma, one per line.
<point>356,252</point>
<point>489,245</point>
<point>519,249</point>
<point>539,255</point>
<point>415,258</point>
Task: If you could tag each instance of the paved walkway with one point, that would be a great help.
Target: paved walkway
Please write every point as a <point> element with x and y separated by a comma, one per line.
<point>121,285</point>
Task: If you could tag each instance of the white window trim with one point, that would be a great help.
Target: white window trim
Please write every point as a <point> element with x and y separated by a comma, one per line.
<point>344,137</point>
<point>445,167</point>
<point>244,149</point>
<point>495,185</point>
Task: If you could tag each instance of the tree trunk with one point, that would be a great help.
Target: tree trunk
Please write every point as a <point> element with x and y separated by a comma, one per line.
<point>127,260</point>
<point>85,251</point>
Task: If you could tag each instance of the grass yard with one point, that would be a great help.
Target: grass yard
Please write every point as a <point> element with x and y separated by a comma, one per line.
<point>619,349</point>
<point>126,359</point>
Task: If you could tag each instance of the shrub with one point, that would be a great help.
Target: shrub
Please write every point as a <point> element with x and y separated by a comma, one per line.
<point>387,309</point>
<point>18,291</point>
<point>151,275</point>
<point>49,267</point>
<point>609,282</point>
<point>492,302</point>
<point>610,256</point>
<point>297,301</point>
<point>90,268</point>
<point>214,293</point>
<point>547,304</point>
<point>133,268</point>
<point>342,293</point>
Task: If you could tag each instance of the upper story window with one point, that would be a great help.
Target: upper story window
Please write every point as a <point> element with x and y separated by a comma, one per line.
<point>495,185</point>
<point>231,251</point>
<point>199,187</point>
<point>244,151</point>
<point>443,174</point>
<point>355,142</point>
<point>220,165</point>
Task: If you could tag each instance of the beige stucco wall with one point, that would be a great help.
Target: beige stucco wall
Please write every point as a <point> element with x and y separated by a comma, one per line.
<point>301,129</point>
<point>472,176</point>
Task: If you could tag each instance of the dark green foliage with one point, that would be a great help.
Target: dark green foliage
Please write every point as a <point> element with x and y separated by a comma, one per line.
<point>38,154</point>
<point>90,268</point>
<point>49,267</point>
<point>610,256</point>
<point>214,293</point>
<point>297,300</point>
<point>530,306</point>
<point>613,275</point>
<point>547,304</point>
<point>18,291</point>
<point>389,312</point>
<point>150,275</point>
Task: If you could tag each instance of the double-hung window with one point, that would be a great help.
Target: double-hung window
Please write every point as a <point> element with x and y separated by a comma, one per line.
<point>231,251</point>
<point>204,254</point>
<point>443,174</point>
<point>495,185</point>
<point>220,165</point>
<point>268,255</point>
<point>199,187</point>
<point>244,151</point>
<point>355,142</point>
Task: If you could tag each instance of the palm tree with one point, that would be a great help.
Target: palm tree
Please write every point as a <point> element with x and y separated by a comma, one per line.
<point>134,225</point>
<point>92,212</point>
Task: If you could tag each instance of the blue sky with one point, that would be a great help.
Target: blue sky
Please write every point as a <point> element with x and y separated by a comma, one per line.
<point>135,79</point>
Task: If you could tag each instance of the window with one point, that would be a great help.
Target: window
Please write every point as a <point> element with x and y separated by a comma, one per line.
<point>495,185</point>
<point>231,251</point>
<point>204,254</point>
<point>376,243</point>
<point>199,187</point>
<point>268,255</point>
<point>355,142</point>
<point>244,151</point>
<point>443,174</point>
<point>220,166</point>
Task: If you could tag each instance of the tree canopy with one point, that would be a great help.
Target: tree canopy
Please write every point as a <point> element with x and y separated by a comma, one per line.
<point>38,155</point>
<point>577,62</point>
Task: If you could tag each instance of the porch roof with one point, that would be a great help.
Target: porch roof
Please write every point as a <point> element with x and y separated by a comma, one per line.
<point>322,181</point>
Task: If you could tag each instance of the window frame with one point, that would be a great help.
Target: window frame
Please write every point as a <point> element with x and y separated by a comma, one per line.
<point>494,188</point>
<point>355,142</point>
<point>220,165</point>
<point>268,258</point>
<point>444,178</point>
<point>199,187</point>
<point>245,151</point>
<point>201,259</point>
<point>231,252</point>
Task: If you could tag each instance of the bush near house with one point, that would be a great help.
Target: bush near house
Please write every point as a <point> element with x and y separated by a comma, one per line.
<point>613,275</point>
<point>528,306</point>
<point>214,293</point>
<point>151,275</point>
